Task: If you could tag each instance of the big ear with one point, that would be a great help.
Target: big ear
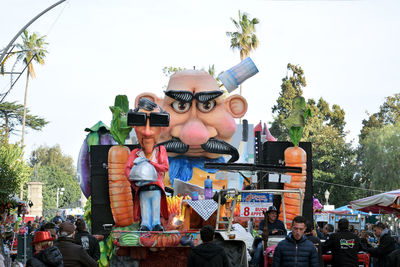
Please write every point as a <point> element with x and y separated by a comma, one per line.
<point>150,96</point>
<point>236,105</point>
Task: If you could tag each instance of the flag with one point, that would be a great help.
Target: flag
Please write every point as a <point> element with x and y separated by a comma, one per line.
<point>257,128</point>
<point>268,135</point>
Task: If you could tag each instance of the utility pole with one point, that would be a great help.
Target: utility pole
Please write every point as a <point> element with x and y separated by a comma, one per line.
<point>60,191</point>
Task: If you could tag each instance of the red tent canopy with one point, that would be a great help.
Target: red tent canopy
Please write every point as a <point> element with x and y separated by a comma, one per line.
<point>388,202</point>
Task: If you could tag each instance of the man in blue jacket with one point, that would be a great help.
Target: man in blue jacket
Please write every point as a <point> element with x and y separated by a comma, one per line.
<point>296,250</point>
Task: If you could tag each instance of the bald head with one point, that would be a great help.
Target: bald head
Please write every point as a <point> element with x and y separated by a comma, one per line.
<point>192,80</point>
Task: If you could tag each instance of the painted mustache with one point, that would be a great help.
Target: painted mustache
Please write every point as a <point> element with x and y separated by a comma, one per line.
<point>213,145</point>
<point>175,146</point>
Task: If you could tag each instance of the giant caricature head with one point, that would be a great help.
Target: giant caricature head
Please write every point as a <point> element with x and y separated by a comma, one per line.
<point>202,120</point>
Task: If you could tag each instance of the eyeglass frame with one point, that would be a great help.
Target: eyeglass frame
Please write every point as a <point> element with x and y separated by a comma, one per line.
<point>148,117</point>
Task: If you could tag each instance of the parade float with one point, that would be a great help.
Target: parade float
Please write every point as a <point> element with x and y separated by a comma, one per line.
<point>148,200</point>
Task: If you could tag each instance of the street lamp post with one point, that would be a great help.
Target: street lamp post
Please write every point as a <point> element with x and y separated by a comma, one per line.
<point>60,191</point>
<point>327,196</point>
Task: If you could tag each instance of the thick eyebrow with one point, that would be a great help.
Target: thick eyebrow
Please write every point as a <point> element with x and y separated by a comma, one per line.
<point>203,97</point>
<point>182,96</point>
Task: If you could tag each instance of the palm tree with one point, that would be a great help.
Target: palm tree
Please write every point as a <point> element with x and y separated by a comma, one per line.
<point>244,39</point>
<point>32,49</point>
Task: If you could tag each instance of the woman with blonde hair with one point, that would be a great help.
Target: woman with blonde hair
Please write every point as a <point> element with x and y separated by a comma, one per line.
<point>46,254</point>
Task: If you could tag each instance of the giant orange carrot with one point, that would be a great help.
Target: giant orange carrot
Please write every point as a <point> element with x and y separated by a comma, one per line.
<point>119,187</point>
<point>295,157</point>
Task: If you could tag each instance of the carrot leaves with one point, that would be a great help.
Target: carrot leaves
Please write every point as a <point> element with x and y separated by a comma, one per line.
<point>297,119</point>
<point>119,127</point>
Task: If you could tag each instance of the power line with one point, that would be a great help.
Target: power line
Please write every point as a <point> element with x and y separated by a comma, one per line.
<point>56,20</point>
<point>348,186</point>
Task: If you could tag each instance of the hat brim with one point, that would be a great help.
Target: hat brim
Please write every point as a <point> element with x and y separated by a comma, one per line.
<point>272,211</point>
<point>48,239</point>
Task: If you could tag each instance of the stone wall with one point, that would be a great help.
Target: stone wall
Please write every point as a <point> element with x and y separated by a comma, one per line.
<point>35,195</point>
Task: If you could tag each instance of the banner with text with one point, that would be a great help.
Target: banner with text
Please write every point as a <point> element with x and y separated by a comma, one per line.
<point>253,204</point>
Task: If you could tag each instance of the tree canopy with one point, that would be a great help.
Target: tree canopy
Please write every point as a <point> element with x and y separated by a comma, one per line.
<point>11,115</point>
<point>13,170</point>
<point>334,160</point>
<point>244,38</point>
<point>292,86</point>
<point>32,48</point>
<point>389,113</point>
<point>55,170</point>
<point>376,136</point>
<point>380,168</point>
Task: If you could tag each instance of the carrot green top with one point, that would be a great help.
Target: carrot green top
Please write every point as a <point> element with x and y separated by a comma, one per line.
<point>297,119</point>
<point>119,127</point>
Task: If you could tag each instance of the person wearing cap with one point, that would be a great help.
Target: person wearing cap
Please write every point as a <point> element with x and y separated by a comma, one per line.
<point>73,254</point>
<point>51,227</point>
<point>46,254</point>
<point>275,226</point>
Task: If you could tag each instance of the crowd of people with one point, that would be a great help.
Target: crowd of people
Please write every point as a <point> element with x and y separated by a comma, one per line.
<point>59,242</point>
<point>304,246</point>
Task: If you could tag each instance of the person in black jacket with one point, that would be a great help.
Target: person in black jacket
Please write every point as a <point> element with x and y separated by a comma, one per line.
<point>86,240</point>
<point>316,241</point>
<point>73,254</point>
<point>275,227</point>
<point>208,253</point>
<point>386,245</point>
<point>46,254</point>
<point>364,238</point>
<point>344,246</point>
<point>326,231</point>
<point>296,249</point>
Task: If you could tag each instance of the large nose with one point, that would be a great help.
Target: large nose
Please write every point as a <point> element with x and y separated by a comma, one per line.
<point>194,132</point>
<point>147,132</point>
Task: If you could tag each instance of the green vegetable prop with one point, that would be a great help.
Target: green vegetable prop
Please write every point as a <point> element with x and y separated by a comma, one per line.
<point>297,119</point>
<point>129,239</point>
<point>119,126</point>
<point>88,212</point>
<point>296,157</point>
<point>106,252</point>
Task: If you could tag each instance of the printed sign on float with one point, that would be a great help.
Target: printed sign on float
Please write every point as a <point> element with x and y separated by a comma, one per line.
<point>253,204</point>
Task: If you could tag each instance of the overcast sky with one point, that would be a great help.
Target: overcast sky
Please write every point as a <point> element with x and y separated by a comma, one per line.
<point>349,51</point>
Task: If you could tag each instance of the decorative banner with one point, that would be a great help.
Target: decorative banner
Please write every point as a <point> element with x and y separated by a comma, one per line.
<point>322,217</point>
<point>362,222</point>
<point>351,218</point>
<point>253,204</point>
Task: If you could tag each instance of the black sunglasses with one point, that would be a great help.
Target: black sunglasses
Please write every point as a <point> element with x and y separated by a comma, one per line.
<point>160,119</point>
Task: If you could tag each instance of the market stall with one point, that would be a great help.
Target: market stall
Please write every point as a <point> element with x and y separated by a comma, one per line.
<point>388,203</point>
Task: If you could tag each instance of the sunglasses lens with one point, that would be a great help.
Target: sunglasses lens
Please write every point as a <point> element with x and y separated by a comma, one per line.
<point>159,119</point>
<point>136,119</point>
